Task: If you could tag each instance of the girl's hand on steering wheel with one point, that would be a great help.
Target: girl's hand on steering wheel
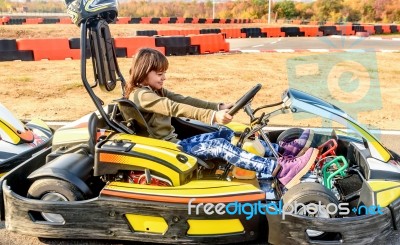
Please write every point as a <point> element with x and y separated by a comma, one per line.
<point>222,117</point>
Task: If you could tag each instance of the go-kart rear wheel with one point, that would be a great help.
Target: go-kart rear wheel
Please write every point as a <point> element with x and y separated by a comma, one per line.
<point>289,135</point>
<point>312,193</point>
<point>54,190</point>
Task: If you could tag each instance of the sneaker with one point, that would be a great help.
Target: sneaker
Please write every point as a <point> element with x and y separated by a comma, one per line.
<point>298,146</point>
<point>292,169</point>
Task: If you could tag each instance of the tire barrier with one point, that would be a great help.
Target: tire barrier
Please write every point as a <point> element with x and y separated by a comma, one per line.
<point>133,44</point>
<point>177,46</point>
<point>50,49</point>
<point>9,52</point>
<point>329,30</point>
<point>210,43</point>
<point>292,31</point>
<point>311,31</point>
<point>207,31</point>
<point>273,32</point>
<point>252,32</point>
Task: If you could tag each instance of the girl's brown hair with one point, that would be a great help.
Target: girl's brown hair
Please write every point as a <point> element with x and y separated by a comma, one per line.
<point>145,61</point>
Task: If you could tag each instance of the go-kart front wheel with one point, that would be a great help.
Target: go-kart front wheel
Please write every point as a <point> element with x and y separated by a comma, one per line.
<point>54,190</point>
<point>313,200</point>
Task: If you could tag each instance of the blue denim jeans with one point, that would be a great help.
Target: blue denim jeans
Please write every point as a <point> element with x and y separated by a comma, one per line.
<point>218,145</point>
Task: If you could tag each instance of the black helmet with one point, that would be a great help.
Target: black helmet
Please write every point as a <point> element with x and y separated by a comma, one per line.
<point>80,10</point>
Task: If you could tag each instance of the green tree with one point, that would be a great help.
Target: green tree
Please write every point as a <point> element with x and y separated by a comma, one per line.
<point>326,9</point>
<point>285,9</point>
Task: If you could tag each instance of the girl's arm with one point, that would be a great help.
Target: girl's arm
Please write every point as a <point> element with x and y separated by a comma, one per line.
<point>190,100</point>
<point>150,102</point>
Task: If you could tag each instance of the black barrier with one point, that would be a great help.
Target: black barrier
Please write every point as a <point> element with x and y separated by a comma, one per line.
<point>202,21</point>
<point>358,28</point>
<point>329,30</point>
<point>121,52</point>
<point>393,29</point>
<point>8,45</point>
<point>147,33</point>
<point>155,20</point>
<point>50,20</point>
<point>227,21</point>
<point>216,21</point>
<point>173,20</point>
<point>207,31</point>
<point>188,20</point>
<point>16,21</point>
<point>252,32</point>
<point>176,45</point>
<point>24,55</point>
<point>292,31</point>
<point>135,20</point>
<point>378,29</point>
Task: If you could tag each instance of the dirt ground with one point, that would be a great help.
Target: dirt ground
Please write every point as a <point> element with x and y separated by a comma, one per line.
<point>53,91</point>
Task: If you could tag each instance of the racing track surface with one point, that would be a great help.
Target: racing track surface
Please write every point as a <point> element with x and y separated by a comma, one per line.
<point>316,44</point>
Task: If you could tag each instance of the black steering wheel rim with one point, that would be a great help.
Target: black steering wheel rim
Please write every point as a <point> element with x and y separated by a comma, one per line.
<point>244,99</point>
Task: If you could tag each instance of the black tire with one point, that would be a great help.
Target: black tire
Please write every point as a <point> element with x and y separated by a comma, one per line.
<point>290,134</point>
<point>310,192</point>
<point>42,187</point>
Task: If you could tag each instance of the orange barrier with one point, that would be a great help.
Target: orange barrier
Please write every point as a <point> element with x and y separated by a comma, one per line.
<point>222,21</point>
<point>209,21</point>
<point>180,20</point>
<point>51,48</point>
<point>123,20</point>
<point>369,28</point>
<point>386,29</point>
<point>65,21</point>
<point>189,32</point>
<point>168,32</point>
<point>398,28</point>
<point>210,43</point>
<point>133,44</point>
<point>232,32</point>
<point>195,20</point>
<point>164,20</point>
<point>311,31</point>
<point>272,32</point>
<point>145,20</point>
<point>33,21</point>
<point>5,19</point>
<point>346,30</point>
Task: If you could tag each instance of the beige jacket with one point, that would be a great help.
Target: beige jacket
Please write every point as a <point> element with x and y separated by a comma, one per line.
<point>158,107</point>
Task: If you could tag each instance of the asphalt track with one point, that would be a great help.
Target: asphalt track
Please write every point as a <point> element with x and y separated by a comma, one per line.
<point>391,139</point>
<point>315,44</point>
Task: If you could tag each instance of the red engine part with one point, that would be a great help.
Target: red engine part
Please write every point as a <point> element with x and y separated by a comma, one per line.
<point>326,149</point>
<point>139,177</point>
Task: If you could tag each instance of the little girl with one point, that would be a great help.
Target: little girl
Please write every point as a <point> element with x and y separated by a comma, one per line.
<point>145,88</point>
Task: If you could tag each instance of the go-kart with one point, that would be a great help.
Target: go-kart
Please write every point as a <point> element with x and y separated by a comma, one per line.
<point>19,140</point>
<point>112,180</point>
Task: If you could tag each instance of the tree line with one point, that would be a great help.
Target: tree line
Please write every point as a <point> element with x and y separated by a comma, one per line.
<point>365,11</point>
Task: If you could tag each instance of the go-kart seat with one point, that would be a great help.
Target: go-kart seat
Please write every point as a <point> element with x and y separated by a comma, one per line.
<point>133,118</point>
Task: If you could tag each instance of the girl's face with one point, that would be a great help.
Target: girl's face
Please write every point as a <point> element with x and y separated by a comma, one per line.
<point>155,80</point>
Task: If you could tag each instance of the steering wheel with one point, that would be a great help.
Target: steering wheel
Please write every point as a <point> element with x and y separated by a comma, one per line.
<point>244,100</point>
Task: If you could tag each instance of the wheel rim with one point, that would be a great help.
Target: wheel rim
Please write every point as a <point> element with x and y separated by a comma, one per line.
<point>321,213</point>
<point>53,197</point>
